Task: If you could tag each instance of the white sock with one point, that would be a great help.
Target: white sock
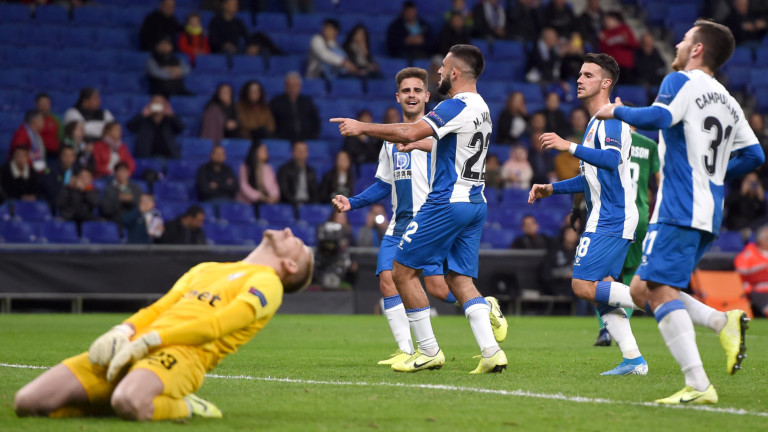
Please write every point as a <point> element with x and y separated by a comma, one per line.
<point>614,294</point>
<point>401,329</point>
<point>702,314</point>
<point>477,314</point>
<point>422,331</point>
<point>617,323</point>
<point>676,328</point>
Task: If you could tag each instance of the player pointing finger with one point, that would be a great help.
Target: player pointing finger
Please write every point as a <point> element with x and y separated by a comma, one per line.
<point>348,126</point>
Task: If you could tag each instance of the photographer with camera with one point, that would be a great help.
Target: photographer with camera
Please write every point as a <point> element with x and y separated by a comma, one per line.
<point>334,268</point>
<point>156,128</point>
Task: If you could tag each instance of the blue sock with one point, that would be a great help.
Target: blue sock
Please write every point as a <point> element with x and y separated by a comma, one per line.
<point>603,292</point>
<point>392,301</point>
<point>451,298</point>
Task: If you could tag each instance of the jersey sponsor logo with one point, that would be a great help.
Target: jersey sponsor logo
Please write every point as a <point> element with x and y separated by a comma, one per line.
<point>664,98</point>
<point>402,161</point>
<point>609,140</point>
<point>203,296</point>
<point>234,276</point>
<point>402,174</point>
<point>436,118</point>
<point>260,295</point>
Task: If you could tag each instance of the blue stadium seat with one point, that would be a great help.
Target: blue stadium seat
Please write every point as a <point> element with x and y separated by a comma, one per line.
<point>87,79</point>
<point>5,211</point>
<point>42,35</point>
<point>101,232</point>
<point>9,121</point>
<point>96,15</point>
<point>347,88</point>
<point>189,105</point>
<point>116,38</point>
<point>294,43</point>
<point>32,211</point>
<point>132,17</point>
<point>495,90</point>
<point>682,14</point>
<point>133,61</point>
<point>284,64</point>
<point>656,13</point>
<point>307,23</point>
<point>729,241</point>
<point>739,77</point>
<point>357,218</point>
<point>200,147</point>
<point>492,196</point>
<point>742,56</point>
<point>315,214</point>
<point>171,191</point>
<point>279,148</point>
<point>315,88</point>
<point>211,63</point>
<point>14,13</point>
<point>79,36</point>
<point>210,210</point>
<point>172,209</point>
<point>483,45</point>
<point>382,89</point>
<point>19,77</point>
<point>123,82</point>
<point>308,233</point>
<point>272,22</point>
<point>51,14</point>
<point>67,58</point>
<point>761,96</point>
<point>249,64</point>
<point>106,60</point>
<point>220,233</point>
<point>391,66</point>
<point>514,196</point>
<point>532,92</point>
<point>236,213</point>
<point>18,232</point>
<point>280,214</point>
<point>761,57</point>
<point>508,50</point>
<point>181,170</point>
<point>59,232</point>
<point>633,93</point>
<point>498,238</point>
<point>203,83</point>
<point>143,165</point>
<point>236,148</point>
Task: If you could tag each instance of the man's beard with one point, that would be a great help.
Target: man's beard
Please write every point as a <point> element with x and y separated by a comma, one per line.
<point>445,86</point>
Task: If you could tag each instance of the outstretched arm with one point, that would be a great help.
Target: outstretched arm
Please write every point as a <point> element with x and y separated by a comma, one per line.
<point>374,193</point>
<point>396,132</point>
<point>600,158</point>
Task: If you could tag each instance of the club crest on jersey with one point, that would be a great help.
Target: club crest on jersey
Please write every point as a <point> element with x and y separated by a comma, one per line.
<point>589,136</point>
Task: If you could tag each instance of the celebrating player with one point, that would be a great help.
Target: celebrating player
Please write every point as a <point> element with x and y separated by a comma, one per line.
<point>705,140</point>
<point>169,346</point>
<point>611,212</point>
<point>405,177</point>
<point>448,225</point>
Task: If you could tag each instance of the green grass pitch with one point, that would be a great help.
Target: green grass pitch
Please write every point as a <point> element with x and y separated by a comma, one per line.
<point>324,377</point>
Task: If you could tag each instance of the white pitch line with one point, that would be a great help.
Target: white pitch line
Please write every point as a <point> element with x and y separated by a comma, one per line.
<point>514,393</point>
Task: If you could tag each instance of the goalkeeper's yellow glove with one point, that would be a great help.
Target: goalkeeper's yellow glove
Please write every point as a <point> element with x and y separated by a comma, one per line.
<point>131,352</point>
<point>107,345</point>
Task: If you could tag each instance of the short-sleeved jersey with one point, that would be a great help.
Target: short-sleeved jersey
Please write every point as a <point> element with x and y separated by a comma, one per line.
<point>409,174</point>
<point>463,127</point>
<point>208,287</point>
<point>643,163</point>
<point>707,126</point>
<point>610,196</point>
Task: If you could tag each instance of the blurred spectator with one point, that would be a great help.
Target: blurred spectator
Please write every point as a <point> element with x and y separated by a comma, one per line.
<point>567,165</point>
<point>572,54</point>
<point>748,27</point>
<point>531,239</point>
<point>590,22</point>
<point>17,179</point>
<point>121,196</point>
<point>193,41</point>
<point>579,121</point>
<point>88,110</point>
<point>745,208</point>
<point>186,229</point>
<point>297,179</point>
<point>392,115</point>
<point>362,148</point>
<point>226,32</point>
<point>544,61</point>
<point>258,183</point>
<point>537,123</point>
<point>253,113</point>
<point>618,41</point>
<point>143,224</point>
<point>376,224</point>
<point>327,58</point>
<point>409,36</point>
<point>220,116</point>
<point>74,137</point>
<point>28,136</point>
<point>166,71</point>
<point>160,23</point>
<point>541,161</point>
<point>111,150</point>
<point>757,123</point>
<point>555,117</point>
<point>79,200</point>
<point>215,180</point>
<point>357,46</point>
<point>513,120</point>
<point>650,67</point>
<point>340,180</point>
<point>156,128</point>
<point>516,171</point>
<point>493,177</point>
<point>558,15</point>
<point>58,174</point>
<point>51,131</point>
<point>752,265</point>
<point>490,20</point>
<point>259,43</point>
<point>524,18</point>
<point>454,32</point>
<point>432,82</point>
<point>296,116</point>
<point>557,266</point>
<point>459,7</point>
<point>718,10</point>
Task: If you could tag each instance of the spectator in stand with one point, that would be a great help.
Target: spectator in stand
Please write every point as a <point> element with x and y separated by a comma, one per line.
<point>752,265</point>
<point>545,60</point>
<point>493,176</point>
<point>650,67</point>
<point>28,136</point>
<point>525,20</point>
<point>513,119</point>
<point>253,113</point>
<point>537,123</point>
<point>391,115</point>
<point>88,110</point>
<point>121,196</point>
<point>490,20</point>
<point>220,116</point>
<point>357,46</point>
<point>143,224</point>
<point>572,54</point>
<point>17,179</point>
<point>226,32</point>
<point>258,183</point>
<point>618,41</point>
<point>460,7</point>
<point>454,32</point>
<point>296,116</point>
<point>409,36</point>
<point>748,27</point>
<point>579,121</point>
<point>156,128</point>
<point>433,83</point>
<point>187,229</point>
<point>557,266</point>
<point>555,117</point>
<point>297,179</point>
<point>111,150</point>
<point>590,22</point>
<point>362,148</point>
<point>327,58</point>
<point>58,175</point>
<point>745,208</point>
<point>51,131</point>
<point>79,200</point>
<point>516,171</point>
<point>757,123</point>
<point>74,137</point>
<point>215,180</point>
<point>558,15</point>
<point>541,161</point>
<point>567,165</point>
<point>193,41</point>
<point>531,238</point>
<point>376,224</point>
<point>166,71</point>
<point>160,23</point>
<point>340,180</point>
<point>259,43</point>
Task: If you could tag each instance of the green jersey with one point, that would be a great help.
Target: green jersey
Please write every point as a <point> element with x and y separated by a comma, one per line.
<point>643,163</point>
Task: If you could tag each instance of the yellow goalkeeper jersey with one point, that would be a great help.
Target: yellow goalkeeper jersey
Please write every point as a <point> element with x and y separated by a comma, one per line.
<point>216,306</point>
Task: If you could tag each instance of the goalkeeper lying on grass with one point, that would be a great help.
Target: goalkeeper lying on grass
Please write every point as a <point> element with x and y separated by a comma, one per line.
<point>148,367</point>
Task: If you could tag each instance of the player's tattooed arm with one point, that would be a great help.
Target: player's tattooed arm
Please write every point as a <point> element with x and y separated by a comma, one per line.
<point>395,133</point>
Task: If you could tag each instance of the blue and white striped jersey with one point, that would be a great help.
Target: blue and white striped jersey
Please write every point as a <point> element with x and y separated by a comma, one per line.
<point>610,195</point>
<point>408,173</point>
<point>463,129</point>
<point>707,125</point>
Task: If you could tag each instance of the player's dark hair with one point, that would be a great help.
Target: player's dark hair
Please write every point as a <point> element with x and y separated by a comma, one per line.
<point>120,165</point>
<point>607,64</point>
<point>31,114</point>
<point>85,94</point>
<point>471,56</point>
<point>331,22</point>
<point>193,211</point>
<point>718,42</point>
<point>411,72</point>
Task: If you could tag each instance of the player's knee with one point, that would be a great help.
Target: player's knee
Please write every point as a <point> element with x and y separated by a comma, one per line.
<point>583,289</point>
<point>130,407</point>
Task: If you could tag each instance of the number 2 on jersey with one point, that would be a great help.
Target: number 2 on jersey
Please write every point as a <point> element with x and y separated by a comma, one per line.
<point>411,229</point>
<point>478,143</point>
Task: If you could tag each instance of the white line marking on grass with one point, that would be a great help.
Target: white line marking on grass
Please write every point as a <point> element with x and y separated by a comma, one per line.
<point>516,393</point>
